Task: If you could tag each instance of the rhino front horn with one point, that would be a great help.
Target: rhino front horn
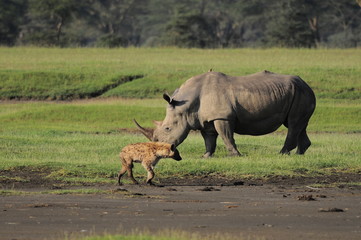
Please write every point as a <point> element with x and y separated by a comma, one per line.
<point>148,133</point>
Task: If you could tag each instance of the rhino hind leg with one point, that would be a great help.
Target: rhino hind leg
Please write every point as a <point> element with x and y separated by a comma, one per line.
<point>296,139</point>
<point>302,108</point>
<point>297,136</point>
<point>303,142</point>
<point>291,141</point>
<point>226,130</point>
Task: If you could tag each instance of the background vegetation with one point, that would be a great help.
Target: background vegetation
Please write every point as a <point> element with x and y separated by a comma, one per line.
<point>183,23</point>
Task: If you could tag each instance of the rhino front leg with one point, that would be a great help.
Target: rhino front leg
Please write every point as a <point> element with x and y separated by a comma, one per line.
<point>226,130</point>
<point>210,139</point>
<point>209,135</point>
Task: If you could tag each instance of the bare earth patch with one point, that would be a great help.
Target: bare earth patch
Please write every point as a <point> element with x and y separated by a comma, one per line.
<point>274,208</point>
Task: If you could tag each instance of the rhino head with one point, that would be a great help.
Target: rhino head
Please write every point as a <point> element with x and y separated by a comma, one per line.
<point>174,128</point>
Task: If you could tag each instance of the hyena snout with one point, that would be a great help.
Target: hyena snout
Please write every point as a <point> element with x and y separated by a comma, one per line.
<point>176,155</point>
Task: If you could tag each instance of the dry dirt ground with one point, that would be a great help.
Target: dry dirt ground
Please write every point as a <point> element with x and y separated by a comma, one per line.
<point>279,208</point>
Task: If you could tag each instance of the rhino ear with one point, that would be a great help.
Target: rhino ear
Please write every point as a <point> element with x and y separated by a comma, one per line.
<point>171,101</point>
<point>167,98</point>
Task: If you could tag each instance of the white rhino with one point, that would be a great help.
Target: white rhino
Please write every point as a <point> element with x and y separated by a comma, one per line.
<point>257,104</point>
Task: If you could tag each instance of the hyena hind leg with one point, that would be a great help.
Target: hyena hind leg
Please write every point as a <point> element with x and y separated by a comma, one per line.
<point>121,173</point>
<point>130,173</point>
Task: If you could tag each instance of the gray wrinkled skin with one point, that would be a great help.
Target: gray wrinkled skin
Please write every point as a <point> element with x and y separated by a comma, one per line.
<point>257,104</point>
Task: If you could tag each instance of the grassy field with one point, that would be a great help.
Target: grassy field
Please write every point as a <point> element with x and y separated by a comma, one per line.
<point>81,139</point>
<point>83,155</point>
<point>42,73</point>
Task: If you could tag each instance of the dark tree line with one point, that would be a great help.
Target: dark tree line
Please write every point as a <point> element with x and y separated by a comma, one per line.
<point>183,23</point>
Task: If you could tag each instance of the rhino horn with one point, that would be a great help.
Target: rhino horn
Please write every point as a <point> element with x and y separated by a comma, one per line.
<point>148,133</point>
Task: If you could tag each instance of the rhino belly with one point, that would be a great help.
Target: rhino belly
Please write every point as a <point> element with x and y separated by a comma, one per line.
<point>262,112</point>
<point>258,127</point>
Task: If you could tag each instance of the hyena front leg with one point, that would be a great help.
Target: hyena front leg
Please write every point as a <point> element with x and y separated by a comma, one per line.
<point>150,171</point>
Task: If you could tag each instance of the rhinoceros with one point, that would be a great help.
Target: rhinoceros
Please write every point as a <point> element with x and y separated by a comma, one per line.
<point>218,104</point>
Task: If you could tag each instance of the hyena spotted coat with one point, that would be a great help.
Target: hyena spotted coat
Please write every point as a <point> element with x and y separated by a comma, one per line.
<point>148,154</point>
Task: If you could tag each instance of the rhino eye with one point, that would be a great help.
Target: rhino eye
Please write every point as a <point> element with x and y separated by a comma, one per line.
<point>167,129</point>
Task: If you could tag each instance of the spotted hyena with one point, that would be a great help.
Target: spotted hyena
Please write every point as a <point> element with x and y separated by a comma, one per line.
<point>148,154</point>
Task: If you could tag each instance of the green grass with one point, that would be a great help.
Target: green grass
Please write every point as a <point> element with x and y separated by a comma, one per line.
<point>111,115</point>
<point>57,85</point>
<point>165,235</point>
<point>86,116</point>
<point>90,157</point>
<point>80,140</point>
<point>333,115</point>
<point>43,73</point>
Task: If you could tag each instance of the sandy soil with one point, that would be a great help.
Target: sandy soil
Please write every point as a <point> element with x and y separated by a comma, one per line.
<point>280,208</point>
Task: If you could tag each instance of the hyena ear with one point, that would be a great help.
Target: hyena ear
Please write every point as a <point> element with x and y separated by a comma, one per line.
<point>172,148</point>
